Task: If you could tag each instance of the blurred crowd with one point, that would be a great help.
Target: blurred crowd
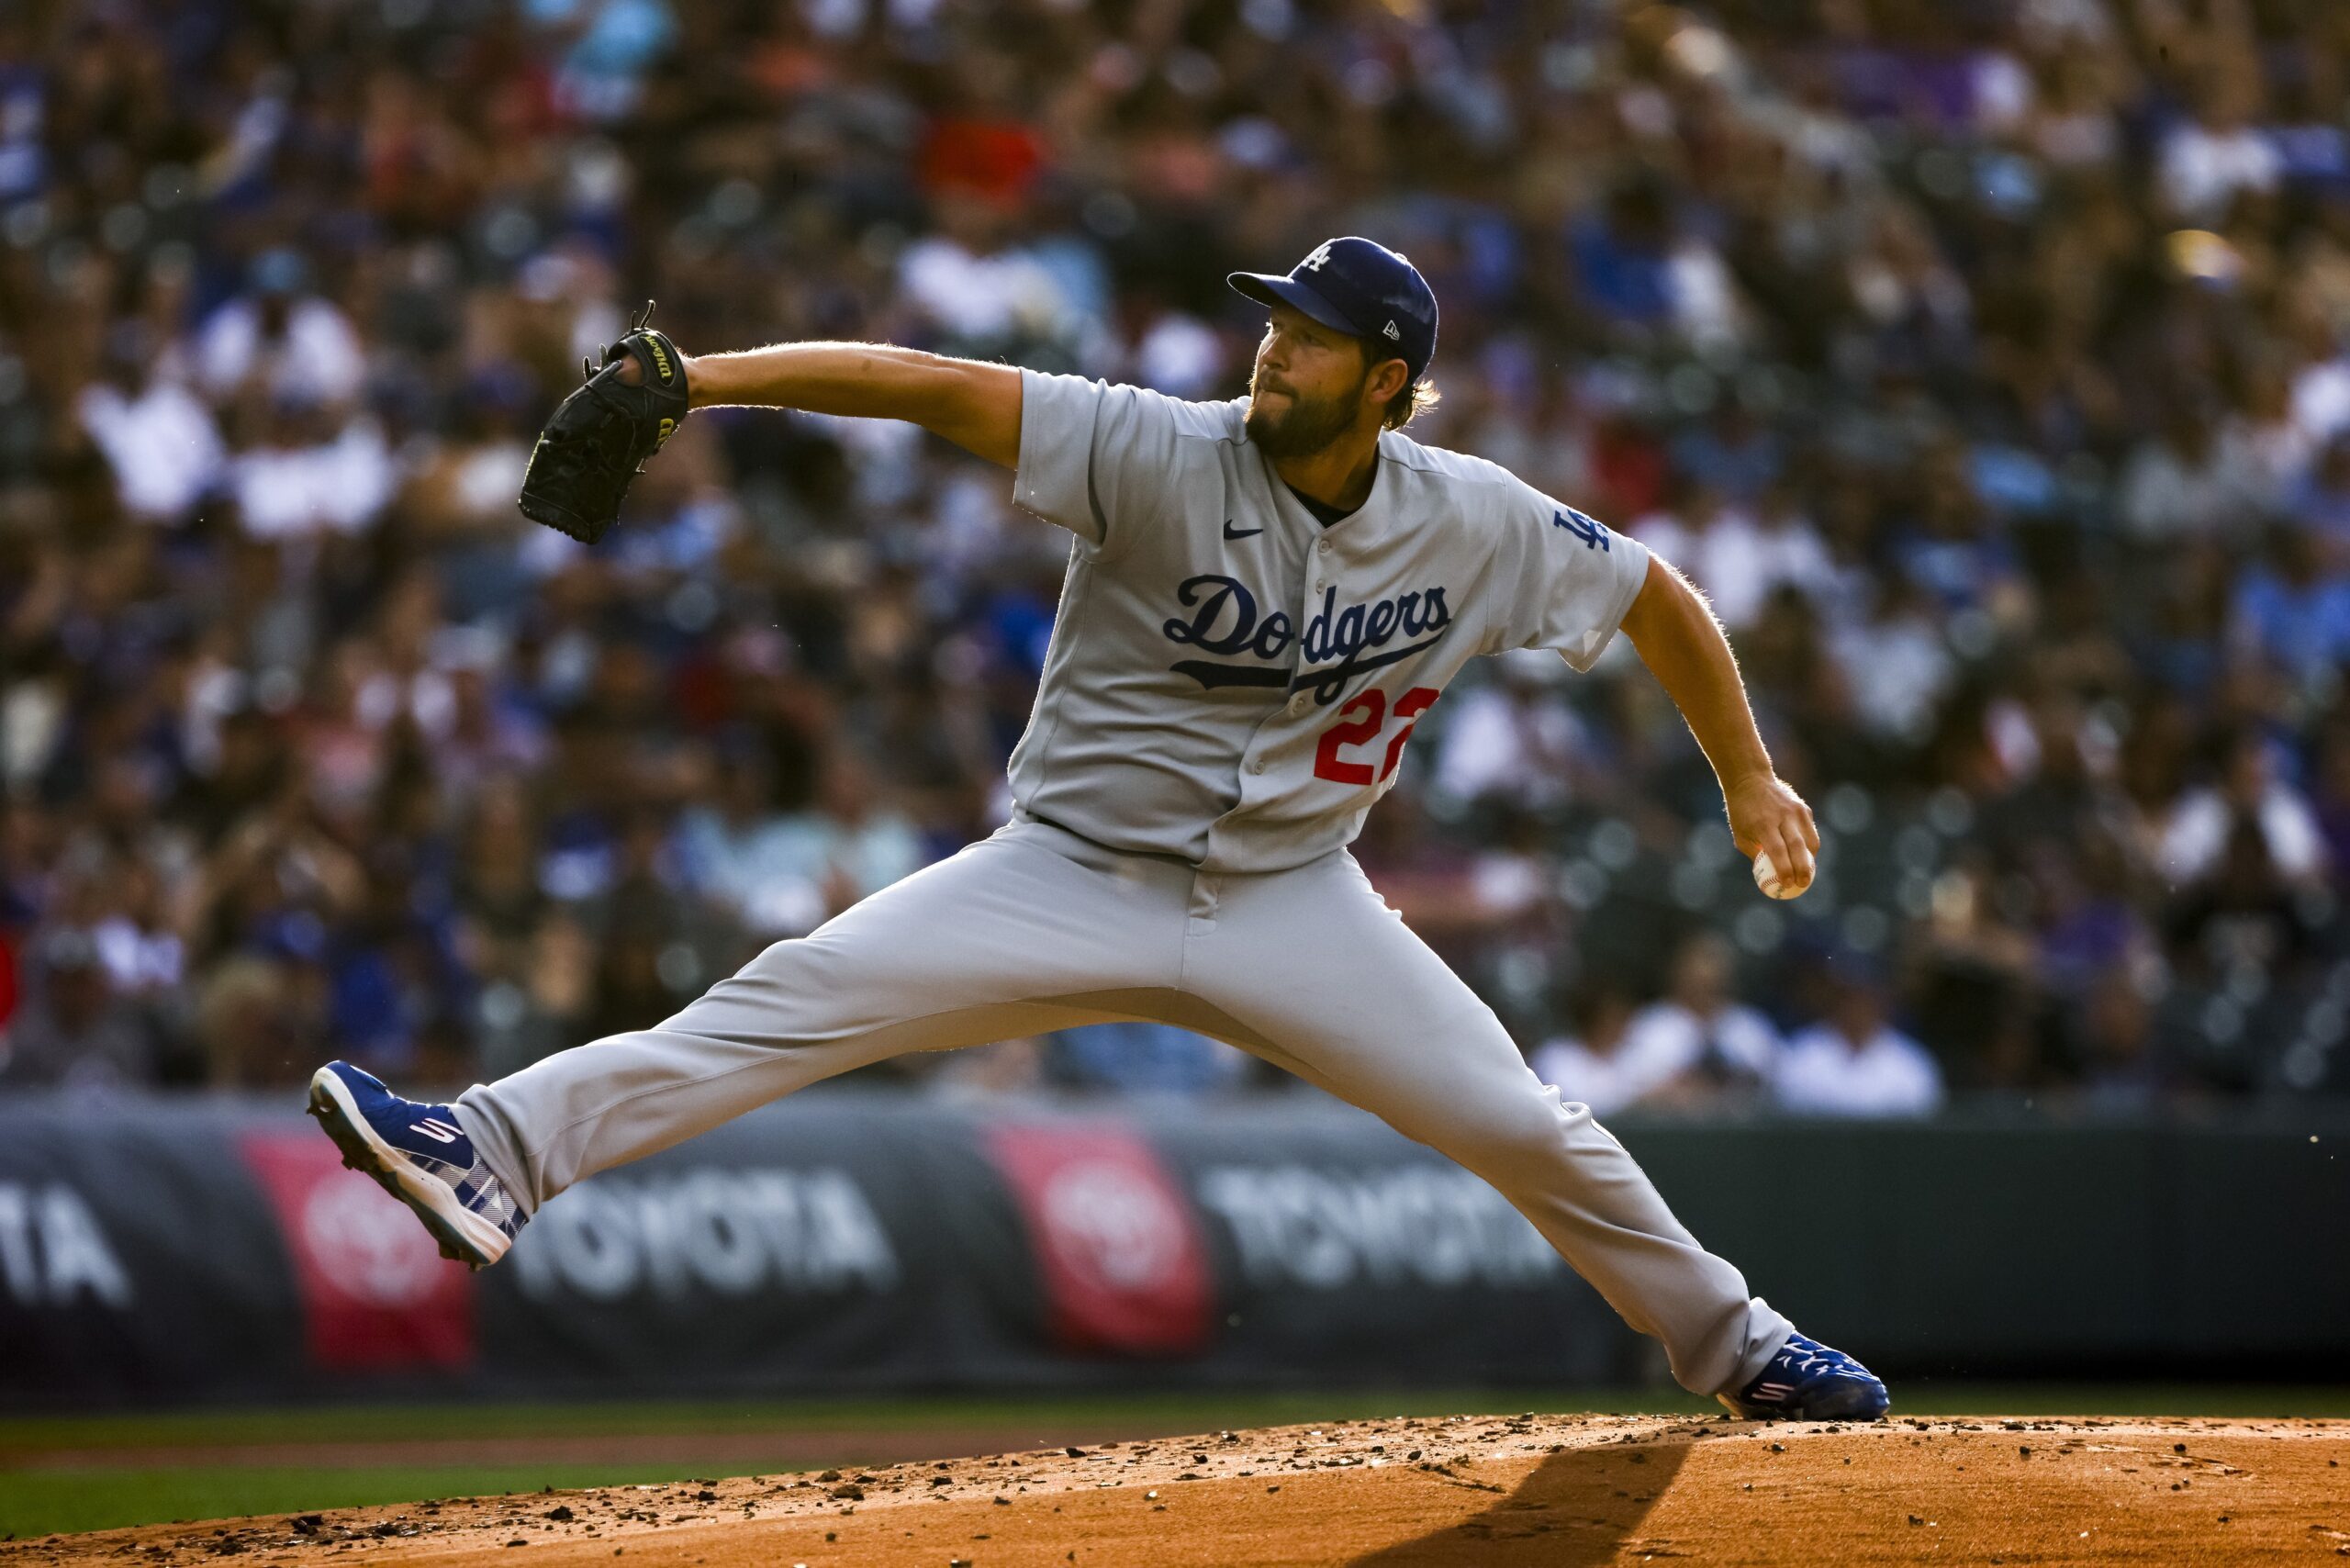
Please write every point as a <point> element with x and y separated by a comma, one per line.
<point>1986,361</point>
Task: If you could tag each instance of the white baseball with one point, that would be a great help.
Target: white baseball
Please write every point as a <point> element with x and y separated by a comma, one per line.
<point>1766,876</point>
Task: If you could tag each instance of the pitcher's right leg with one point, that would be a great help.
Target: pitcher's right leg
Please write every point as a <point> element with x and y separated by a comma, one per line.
<point>1334,986</point>
<point>1008,937</point>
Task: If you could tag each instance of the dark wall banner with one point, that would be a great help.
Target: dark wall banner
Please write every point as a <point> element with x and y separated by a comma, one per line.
<point>138,1257</point>
<point>850,1240</point>
<point>788,1249</point>
<point>2200,1246</point>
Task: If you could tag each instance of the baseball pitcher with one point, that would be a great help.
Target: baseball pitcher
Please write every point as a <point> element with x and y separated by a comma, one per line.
<point>1263,597</point>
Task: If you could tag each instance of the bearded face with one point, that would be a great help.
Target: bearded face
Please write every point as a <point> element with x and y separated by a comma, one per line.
<point>1288,421</point>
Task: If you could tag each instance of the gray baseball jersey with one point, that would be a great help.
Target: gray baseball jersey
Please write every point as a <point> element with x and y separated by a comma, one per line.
<point>1230,681</point>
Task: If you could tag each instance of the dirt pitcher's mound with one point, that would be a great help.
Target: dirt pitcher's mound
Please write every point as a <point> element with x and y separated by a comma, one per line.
<point>1480,1490</point>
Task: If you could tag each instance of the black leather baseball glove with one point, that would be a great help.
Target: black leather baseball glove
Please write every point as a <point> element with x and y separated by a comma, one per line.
<point>601,435</point>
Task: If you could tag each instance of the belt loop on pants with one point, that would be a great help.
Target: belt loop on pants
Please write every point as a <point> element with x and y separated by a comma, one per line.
<point>1205,887</point>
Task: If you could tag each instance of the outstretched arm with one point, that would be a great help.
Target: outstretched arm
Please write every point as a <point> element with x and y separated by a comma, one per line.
<point>1683,645</point>
<point>973,405</point>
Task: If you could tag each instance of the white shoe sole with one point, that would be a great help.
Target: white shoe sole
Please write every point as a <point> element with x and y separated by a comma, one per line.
<point>465,1237</point>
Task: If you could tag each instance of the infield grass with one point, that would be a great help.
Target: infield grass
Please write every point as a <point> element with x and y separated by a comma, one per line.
<point>98,1471</point>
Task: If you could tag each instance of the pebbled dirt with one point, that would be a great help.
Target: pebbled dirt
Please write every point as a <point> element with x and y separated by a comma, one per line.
<point>738,1450</point>
<point>1484,1490</point>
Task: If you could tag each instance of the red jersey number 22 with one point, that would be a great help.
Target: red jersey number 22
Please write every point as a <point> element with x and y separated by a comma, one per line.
<point>1360,722</point>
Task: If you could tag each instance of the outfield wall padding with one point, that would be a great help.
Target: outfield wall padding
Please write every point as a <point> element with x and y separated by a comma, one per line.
<point>853,1240</point>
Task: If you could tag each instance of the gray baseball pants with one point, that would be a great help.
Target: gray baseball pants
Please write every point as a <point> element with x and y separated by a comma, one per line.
<point>1037,928</point>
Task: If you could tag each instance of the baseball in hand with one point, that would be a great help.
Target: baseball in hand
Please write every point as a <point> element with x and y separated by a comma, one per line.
<point>1766,876</point>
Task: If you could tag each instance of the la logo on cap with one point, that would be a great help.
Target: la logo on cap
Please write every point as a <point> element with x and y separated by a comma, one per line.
<point>1321,254</point>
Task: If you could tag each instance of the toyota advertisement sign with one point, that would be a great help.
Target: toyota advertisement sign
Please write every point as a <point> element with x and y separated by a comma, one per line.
<point>841,1241</point>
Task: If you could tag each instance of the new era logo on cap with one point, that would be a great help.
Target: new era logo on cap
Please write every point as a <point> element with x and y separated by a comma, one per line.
<point>1357,286</point>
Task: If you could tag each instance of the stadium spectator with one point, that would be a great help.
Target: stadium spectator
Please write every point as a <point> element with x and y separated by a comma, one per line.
<point>2120,1068</point>
<point>75,1031</point>
<point>1854,1062</point>
<point>158,437</point>
<point>278,341</point>
<point>1596,1064</point>
<point>1720,1053</point>
<point>2247,796</point>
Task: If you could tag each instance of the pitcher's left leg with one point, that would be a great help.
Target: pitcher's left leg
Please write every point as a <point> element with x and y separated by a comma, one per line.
<point>1314,961</point>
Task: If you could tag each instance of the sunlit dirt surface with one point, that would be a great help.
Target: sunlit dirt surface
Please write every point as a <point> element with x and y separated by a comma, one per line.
<point>1484,1490</point>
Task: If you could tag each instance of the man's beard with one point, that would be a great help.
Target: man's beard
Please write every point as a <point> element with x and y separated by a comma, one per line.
<point>1307,425</point>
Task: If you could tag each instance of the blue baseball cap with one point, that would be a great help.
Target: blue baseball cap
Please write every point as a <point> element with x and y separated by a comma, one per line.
<point>1360,286</point>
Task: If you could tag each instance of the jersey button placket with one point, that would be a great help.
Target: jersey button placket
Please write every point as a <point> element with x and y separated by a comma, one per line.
<point>1252,761</point>
<point>1317,576</point>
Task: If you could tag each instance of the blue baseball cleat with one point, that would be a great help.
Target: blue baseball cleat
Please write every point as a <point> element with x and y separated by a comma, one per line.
<point>422,1157</point>
<point>1808,1381</point>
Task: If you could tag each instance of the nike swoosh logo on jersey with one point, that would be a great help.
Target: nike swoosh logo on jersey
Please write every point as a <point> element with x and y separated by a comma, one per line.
<point>1243,533</point>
